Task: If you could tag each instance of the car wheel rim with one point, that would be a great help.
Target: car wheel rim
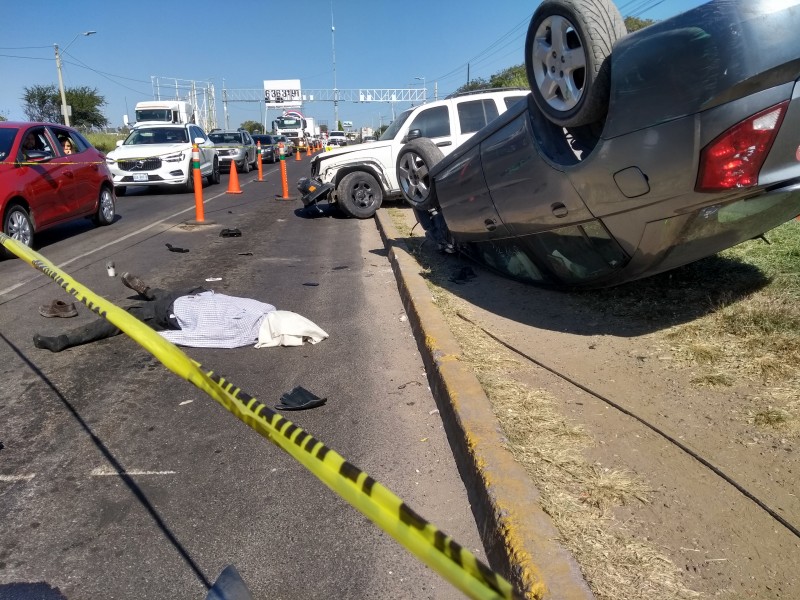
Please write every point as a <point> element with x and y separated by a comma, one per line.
<point>414,177</point>
<point>559,59</point>
<point>363,196</point>
<point>107,205</point>
<point>19,228</point>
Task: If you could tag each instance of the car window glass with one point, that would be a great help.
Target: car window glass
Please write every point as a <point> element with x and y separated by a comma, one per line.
<point>35,140</point>
<point>394,126</point>
<point>6,140</point>
<point>62,135</point>
<point>433,122</point>
<point>475,114</point>
<point>512,100</point>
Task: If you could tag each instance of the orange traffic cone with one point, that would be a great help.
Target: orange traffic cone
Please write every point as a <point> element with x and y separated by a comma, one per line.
<point>233,180</point>
<point>297,153</point>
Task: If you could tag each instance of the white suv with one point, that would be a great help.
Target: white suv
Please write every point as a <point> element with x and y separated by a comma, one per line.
<point>358,178</point>
<point>161,155</point>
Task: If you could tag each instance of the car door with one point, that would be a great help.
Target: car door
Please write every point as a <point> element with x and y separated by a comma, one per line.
<point>207,150</point>
<point>434,123</point>
<point>84,167</point>
<point>49,185</point>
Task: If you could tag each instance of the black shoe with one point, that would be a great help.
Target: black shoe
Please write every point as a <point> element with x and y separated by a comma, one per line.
<point>52,343</point>
<point>137,285</point>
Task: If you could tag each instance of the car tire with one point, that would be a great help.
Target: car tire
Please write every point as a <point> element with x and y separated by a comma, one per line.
<point>106,209</point>
<point>189,185</point>
<point>17,224</point>
<point>120,191</point>
<point>414,163</point>
<point>359,195</point>
<point>585,31</point>
<point>246,164</point>
<point>214,178</point>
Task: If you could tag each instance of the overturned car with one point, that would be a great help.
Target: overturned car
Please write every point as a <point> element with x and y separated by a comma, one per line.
<point>634,153</point>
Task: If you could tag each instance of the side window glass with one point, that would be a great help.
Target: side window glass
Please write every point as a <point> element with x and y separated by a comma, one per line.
<point>475,114</point>
<point>68,143</point>
<point>35,140</point>
<point>433,122</point>
<point>512,100</point>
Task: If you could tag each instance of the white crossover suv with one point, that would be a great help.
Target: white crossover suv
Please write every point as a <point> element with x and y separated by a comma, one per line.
<point>161,155</point>
<point>358,178</point>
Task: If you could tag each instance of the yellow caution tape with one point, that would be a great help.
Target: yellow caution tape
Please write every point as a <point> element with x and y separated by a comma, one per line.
<point>440,552</point>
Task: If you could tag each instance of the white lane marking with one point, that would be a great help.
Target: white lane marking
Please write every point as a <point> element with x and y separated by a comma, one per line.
<point>185,402</point>
<point>100,472</point>
<point>117,241</point>
<point>17,477</point>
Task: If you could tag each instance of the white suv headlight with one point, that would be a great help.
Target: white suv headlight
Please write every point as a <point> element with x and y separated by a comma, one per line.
<point>177,157</point>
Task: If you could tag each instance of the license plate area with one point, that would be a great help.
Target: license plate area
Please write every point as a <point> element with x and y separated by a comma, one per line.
<point>140,176</point>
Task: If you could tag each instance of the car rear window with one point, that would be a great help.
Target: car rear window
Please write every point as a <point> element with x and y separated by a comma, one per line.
<point>475,114</point>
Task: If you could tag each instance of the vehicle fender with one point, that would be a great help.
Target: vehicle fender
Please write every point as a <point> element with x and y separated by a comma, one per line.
<point>371,167</point>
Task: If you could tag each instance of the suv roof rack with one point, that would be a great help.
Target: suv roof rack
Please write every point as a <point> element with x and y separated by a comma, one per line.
<point>485,90</point>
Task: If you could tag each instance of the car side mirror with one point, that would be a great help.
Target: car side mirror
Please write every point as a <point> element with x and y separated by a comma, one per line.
<point>199,140</point>
<point>37,156</point>
<point>413,135</point>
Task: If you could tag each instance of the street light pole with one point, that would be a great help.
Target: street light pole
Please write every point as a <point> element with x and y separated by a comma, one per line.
<point>424,89</point>
<point>64,107</point>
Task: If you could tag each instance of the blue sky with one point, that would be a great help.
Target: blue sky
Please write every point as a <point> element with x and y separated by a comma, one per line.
<point>237,46</point>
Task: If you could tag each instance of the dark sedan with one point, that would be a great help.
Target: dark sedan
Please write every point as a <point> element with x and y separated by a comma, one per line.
<point>269,147</point>
<point>50,174</point>
<point>679,143</point>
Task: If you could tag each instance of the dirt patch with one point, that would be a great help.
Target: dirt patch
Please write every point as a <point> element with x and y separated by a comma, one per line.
<point>658,420</point>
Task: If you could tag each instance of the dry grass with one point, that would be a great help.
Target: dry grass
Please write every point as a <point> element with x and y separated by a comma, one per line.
<point>579,496</point>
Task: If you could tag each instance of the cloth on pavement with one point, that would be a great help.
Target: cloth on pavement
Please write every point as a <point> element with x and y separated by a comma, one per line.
<point>285,328</point>
<point>211,320</point>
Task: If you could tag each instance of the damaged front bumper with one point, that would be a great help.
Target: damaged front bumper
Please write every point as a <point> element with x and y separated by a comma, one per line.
<point>313,190</point>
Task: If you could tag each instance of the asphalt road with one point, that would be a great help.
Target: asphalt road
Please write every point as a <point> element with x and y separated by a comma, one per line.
<point>199,490</point>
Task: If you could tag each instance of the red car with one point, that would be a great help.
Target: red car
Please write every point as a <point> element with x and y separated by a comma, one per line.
<point>50,174</point>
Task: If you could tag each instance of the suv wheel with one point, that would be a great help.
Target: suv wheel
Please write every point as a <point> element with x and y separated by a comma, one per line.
<point>214,177</point>
<point>414,163</point>
<point>567,58</point>
<point>246,164</point>
<point>189,185</point>
<point>359,195</point>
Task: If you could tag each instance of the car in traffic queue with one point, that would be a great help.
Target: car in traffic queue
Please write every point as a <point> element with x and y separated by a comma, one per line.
<point>288,145</point>
<point>235,146</point>
<point>43,185</point>
<point>269,147</point>
<point>160,155</point>
<point>337,138</point>
<point>635,153</point>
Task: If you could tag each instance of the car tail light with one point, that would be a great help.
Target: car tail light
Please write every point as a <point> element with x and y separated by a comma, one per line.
<point>734,159</point>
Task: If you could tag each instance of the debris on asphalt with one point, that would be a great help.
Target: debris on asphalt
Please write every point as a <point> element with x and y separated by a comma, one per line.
<point>230,233</point>
<point>213,278</point>
<point>311,283</point>
<point>245,253</point>
<point>300,399</point>
<point>172,248</point>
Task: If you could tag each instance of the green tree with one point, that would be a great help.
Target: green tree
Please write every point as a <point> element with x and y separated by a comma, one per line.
<point>478,83</point>
<point>339,126</point>
<point>635,23</point>
<point>251,126</point>
<point>513,77</point>
<point>43,103</point>
<point>3,117</point>
<point>40,103</point>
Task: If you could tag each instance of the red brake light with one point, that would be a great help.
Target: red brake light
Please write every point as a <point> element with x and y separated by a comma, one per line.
<point>734,159</point>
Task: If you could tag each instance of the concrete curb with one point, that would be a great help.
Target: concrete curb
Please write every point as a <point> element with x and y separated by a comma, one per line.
<point>520,539</point>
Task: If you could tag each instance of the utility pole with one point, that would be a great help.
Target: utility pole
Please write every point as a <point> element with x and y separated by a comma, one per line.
<point>64,108</point>
<point>335,90</point>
